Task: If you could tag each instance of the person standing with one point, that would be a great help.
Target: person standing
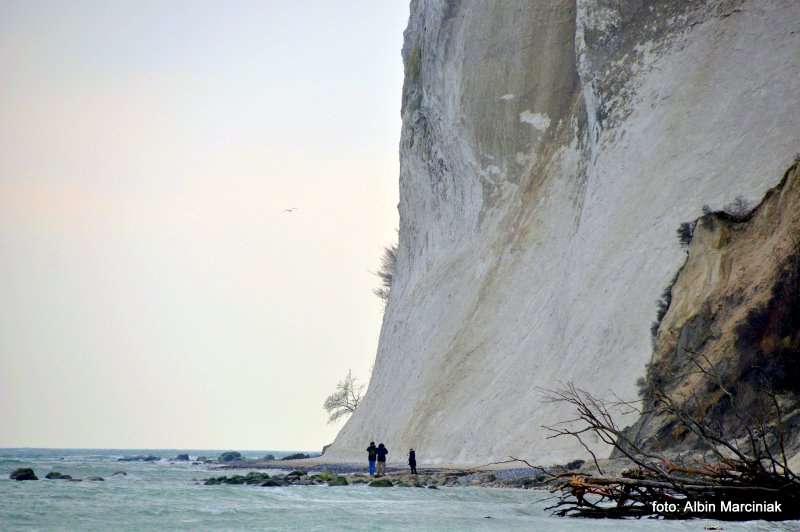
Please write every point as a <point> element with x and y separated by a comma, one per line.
<point>372,454</point>
<point>412,461</point>
<point>382,452</point>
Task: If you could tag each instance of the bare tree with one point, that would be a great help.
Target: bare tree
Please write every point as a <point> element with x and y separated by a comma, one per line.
<point>740,469</point>
<point>345,399</point>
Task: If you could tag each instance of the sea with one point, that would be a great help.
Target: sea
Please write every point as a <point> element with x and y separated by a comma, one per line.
<point>169,495</point>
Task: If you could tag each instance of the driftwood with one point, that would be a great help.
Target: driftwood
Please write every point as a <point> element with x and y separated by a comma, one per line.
<point>745,478</point>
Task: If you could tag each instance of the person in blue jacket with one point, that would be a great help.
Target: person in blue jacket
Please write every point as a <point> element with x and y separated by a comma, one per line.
<point>372,454</point>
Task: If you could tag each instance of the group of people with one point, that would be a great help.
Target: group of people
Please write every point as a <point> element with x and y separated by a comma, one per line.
<point>377,456</point>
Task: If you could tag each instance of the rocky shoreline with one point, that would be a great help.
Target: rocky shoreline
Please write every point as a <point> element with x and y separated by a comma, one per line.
<point>425,479</point>
<point>304,473</point>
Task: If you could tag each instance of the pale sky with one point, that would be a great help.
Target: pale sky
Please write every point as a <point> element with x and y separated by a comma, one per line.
<point>152,291</point>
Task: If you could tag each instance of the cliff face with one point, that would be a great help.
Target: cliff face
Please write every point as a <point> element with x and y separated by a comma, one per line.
<point>550,150</point>
<point>728,347</point>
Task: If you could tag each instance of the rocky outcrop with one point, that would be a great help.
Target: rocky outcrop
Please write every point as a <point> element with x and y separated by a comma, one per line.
<point>296,456</point>
<point>549,152</point>
<point>728,347</point>
<point>139,458</point>
<point>229,456</point>
<point>23,473</point>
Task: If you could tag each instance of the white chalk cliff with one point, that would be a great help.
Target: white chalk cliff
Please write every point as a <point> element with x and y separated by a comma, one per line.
<point>550,149</point>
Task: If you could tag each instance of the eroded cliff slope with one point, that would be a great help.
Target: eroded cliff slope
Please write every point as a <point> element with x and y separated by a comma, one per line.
<point>728,348</point>
<point>549,151</point>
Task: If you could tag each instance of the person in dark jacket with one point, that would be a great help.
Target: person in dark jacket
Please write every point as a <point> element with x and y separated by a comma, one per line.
<point>371,456</point>
<point>381,452</point>
<point>412,461</point>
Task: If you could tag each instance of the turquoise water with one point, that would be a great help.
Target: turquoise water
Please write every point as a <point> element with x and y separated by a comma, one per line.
<point>168,496</point>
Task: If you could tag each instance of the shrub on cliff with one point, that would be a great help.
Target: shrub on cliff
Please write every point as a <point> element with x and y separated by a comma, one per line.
<point>685,233</point>
<point>739,209</point>
<point>386,272</point>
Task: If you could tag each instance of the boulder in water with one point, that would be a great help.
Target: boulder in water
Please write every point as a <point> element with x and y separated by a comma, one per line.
<point>23,473</point>
<point>296,456</point>
<point>338,481</point>
<point>183,457</point>
<point>229,456</point>
<point>269,458</point>
<point>96,479</point>
<point>381,483</point>
<point>139,458</point>
<point>55,475</point>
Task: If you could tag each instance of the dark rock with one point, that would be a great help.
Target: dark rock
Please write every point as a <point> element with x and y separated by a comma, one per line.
<point>338,481</point>
<point>23,473</point>
<point>256,478</point>
<point>251,478</point>
<point>296,474</point>
<point>296,456</point>
<point>122,473</point>
<point>229,456</point>
<point>269,458</point>
<point>432,487</point>
<point>381,483</point>
<point>202,459</point>
<point>55,475</point>
<point>271,483</point>
<point>139,458</point>
<point>575,464</point>
<point>182,458</point>
<point>96,479</point>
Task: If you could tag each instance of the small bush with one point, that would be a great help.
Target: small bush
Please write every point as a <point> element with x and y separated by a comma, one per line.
<point>641,386</point>
<point>739,209</point>
<point>386,272</point>
<point>662,307</point>
<point>685,233</point>
<point>663,303</point>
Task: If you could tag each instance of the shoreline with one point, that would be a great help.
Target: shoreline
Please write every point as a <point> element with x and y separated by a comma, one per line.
<point>503,475</point>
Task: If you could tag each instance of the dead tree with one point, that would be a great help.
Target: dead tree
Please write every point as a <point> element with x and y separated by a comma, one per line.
<point>345,399</point>
<point>738,469</point>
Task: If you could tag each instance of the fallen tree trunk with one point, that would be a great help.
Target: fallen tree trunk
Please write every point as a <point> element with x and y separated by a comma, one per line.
<point>745,482</point>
